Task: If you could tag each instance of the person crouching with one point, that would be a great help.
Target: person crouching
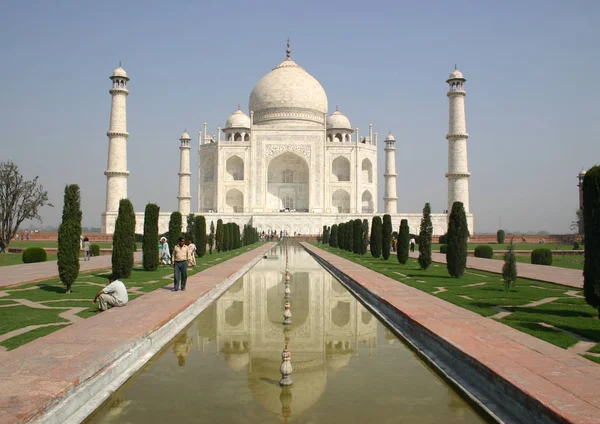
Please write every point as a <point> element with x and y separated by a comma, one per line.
<point>115,294</point>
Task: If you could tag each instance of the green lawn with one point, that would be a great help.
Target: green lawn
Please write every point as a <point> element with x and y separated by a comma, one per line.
<point>568,313</point>
<point>54,244</point>
<point>518,246</point>
<point>83,291</point>
<point>15,258</point>
<point>566,261</point>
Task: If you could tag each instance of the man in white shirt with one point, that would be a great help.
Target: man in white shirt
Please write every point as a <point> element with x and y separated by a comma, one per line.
<point>115,294</point>
<point>412,244</point>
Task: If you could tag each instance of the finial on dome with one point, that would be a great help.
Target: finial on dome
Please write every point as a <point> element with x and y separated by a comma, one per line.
<point>455,66</point>
<point>119,63</point>
<point>288,51</point>
<point>239,107</point>
<point>337,109</point>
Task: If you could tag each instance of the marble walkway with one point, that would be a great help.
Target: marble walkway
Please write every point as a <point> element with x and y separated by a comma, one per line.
<point>564,382</point>
<point>551,274</point>
<point>36,375</point>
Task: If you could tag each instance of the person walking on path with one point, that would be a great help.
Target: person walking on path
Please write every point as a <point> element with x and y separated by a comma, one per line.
<point>87,248</point>
<point>192,249</point>
<point>181,256</point>
<point>412,244</point>
<point>165,254</point>
<point>115,294</point>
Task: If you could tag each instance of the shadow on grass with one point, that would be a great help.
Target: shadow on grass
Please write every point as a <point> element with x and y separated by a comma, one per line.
<point>565,313</point>
<point>54,289</point>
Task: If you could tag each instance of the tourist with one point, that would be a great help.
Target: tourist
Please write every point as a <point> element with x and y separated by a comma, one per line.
<point>394,244</point>
<point>115,294</point>
<point>192,248</point>
<point>87,249</point>
<point>165,254</point>
<point>181,348</point>
<point>181,256</point>
<point>412,244</point>
<point>81,241</point>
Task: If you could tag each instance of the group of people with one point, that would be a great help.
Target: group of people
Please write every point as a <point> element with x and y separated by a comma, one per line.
<point>412,243</point>
<point>182,256</point>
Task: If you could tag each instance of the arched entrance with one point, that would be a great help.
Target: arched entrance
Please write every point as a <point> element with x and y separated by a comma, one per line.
<point>287,183</point>
<point>235,201</point>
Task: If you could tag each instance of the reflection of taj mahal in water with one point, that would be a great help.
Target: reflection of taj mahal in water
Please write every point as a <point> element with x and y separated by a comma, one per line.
<point>288,164</point>
<point>328,324</point>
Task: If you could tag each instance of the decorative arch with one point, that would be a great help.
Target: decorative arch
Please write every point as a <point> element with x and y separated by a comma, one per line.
<point>340,200</point>
<point>235,168</point>
<point>367,171</point>
<point>340,169</point>
<point>338,137</point>
<point>288,183</point>
<point>237,137</point>
<point>235,200</point>
<point>367,202</point>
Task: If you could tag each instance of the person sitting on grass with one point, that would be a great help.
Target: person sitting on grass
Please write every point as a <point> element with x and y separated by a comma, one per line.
<point>115,294</point>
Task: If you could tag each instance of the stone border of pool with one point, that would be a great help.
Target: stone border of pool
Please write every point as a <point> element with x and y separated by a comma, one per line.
<point>65,376</point>
<point>514,376</point>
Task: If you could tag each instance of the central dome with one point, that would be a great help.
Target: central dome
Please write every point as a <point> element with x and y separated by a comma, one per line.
<point>288,92</point>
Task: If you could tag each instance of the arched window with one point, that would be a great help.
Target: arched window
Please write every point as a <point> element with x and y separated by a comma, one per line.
<point>340,169</point>
<point>237,137</point>
<point>367,171</point>
<point>288,176</point>
<point>247,137</point>
<point>340,200</point>
<point>338,137</point>
<point>367,202</point>
<point>288,201</point>
<point>235,168</point>
<point>235,200</point>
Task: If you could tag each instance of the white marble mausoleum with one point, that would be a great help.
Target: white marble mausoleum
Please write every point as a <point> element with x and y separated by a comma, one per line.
<point>289,164</point>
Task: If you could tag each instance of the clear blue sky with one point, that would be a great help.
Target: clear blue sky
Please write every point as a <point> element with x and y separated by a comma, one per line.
<point>532,70</point>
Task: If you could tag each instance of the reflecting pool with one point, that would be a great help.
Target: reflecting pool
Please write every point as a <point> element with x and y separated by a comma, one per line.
<point>346,366</point>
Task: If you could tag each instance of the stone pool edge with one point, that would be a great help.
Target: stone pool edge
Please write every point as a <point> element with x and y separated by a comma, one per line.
<point>81,402</point>
<point>489,391</point>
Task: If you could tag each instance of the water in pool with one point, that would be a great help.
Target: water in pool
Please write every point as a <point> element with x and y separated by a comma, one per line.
<point>225,367</point>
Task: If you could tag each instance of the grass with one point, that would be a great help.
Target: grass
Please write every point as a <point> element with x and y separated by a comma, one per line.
<point>567,313</point>
<point>592,358</point>
<point>49,244</point>
<point>15,317</point>
<point>566,261</point>
<point>518,246</point>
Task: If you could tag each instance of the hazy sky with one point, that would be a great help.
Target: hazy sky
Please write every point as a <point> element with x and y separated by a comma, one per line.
<point>532,70</point>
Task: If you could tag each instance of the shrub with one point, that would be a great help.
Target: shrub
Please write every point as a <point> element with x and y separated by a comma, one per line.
<point>576,245</point>
<point>365,236</point>
<point>175,223</point>
<point>190,230</point>
<point>69,234</point>
<point>349,236</point>
<point>403,241</point>
<point>96,249</point>
<point>591,228</point>
<point>219,240</point>
<point>541,256</point>
<point>376,236</point>
<point>333,238</point>
<point>342,236</point>
<point>500,235</point>
<point>444,238</point>
<point>386,236</point>
<point>123,240</point>
<point>509,269</point>
<point>443,248</point>
<point>34,254</point>
<point>211,237</point>
<point>357,236</point>
<point>484,251</point>
<point>458,233</point>
<point>226,237</point>
<point>200,236</point>
<point>150,238</point>
<point>425,233</point>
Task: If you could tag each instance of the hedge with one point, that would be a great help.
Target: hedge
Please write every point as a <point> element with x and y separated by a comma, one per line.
<point>541,256</point>
<point>443,248</point>
<point>34,254</point>
<point>96,249</point>
<point>500,236</point>
<point>484,251</point>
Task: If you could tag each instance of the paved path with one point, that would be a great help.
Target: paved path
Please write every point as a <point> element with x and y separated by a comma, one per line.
<point>551,274</point>
<point>27,273</point>
<point>562,381</point>
<point>38,374</point>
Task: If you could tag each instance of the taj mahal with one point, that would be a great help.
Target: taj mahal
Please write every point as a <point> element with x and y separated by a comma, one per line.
<point>288,165</point>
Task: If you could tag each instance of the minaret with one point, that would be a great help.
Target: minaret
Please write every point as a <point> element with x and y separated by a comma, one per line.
<point>390,198</point>
<point>184,175</point>
<point>116,172</point>
<point>458,172</point>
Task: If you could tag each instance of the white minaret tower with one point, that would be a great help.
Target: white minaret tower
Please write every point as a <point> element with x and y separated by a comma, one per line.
<point>116,172</point>
<point>184,175</point>
<point>458,171</point>
<point>390,198</point>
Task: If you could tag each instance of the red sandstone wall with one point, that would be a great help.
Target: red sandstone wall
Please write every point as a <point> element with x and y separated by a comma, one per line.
<point>54,236</point>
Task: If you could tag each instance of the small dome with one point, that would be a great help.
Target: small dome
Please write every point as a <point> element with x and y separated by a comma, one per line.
<point>338,120</point>
<point>238,119</point>
<point>390,137</point>
<point>120,72</point>
<point>456,75</point>
<point>582,173</point>
<point>185,136</point>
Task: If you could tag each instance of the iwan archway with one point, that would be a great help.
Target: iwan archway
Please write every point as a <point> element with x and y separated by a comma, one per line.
<point>288,183</point>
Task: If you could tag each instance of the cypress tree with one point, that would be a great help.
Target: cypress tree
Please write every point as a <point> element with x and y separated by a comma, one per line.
<point>200,236</point>
<point>349,236</point>
<point>425,233</point>
<point>69,234</point>
<point>150,242</point>
<point>236,233</point>
<point>376,236</point>
<point>211,237</point>
<point>403,241</point>
<point>175,223</point>
<point>357,236</point>
<point>226,237</point>
<point>342,236</point>
<point>386,236</point>
<point>458,233</point>
<point>190,231</point>
<point>365,236</point>
<point>324,235</point>
<point>124,240</point>
<point>509,269</point>
<point>591,228</point>
<point>333,239</point>
<point>219,235</point>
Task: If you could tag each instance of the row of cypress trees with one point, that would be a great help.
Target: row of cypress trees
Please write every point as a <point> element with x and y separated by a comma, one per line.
<point>228,236</point>
<point>352,236</point>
